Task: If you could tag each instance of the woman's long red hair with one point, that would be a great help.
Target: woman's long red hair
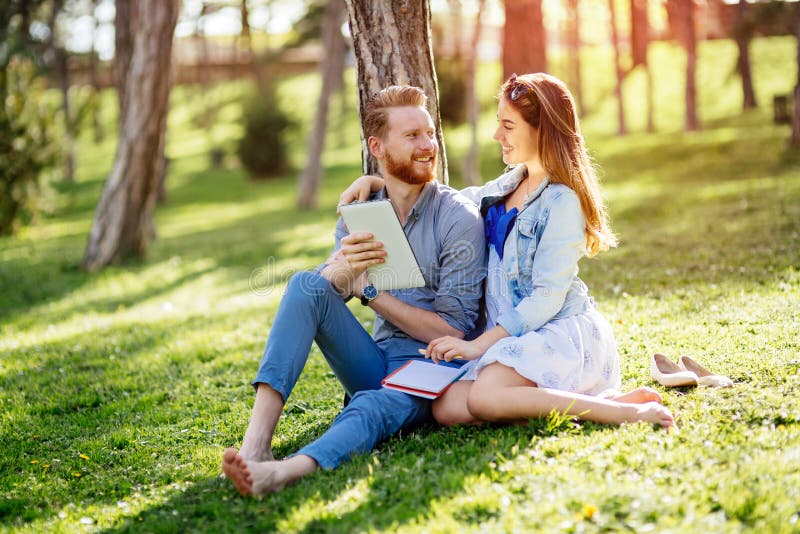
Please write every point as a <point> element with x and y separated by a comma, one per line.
<point>546,104</point>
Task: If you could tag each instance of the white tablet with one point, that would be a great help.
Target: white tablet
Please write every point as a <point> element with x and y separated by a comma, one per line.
<point>400,270</point>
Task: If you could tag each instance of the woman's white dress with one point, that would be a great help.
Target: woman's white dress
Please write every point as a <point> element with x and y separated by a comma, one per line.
<point>576,353</point>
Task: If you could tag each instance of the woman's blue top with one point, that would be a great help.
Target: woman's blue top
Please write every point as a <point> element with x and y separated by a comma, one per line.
<point>498,223</point>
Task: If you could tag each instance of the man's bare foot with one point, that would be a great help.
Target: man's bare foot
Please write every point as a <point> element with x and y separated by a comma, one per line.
<point>259,478</point>
<point>253,456</point>
<point>236,470</point>
<point>653,412</point>
<point>638,396</point>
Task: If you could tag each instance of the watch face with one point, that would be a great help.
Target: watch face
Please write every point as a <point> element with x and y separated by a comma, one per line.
<point>369,292</point>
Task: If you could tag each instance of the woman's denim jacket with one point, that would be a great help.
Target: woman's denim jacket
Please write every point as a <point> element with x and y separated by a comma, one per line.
<point>541,254</point>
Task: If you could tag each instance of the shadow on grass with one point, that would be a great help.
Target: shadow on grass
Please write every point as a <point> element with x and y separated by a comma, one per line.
<point>386,489</point>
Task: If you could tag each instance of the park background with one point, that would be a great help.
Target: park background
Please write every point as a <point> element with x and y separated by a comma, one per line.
<point>121,386</point>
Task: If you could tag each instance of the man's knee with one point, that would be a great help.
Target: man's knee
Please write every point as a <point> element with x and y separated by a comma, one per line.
<point>387,411</point>
<point>307,284</point>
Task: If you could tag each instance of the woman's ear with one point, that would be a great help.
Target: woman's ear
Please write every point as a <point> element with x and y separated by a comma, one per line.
<point>375,147</point>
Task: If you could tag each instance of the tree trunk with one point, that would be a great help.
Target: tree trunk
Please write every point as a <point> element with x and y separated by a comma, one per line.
<point>392,45</point>
<point>456,28</point>
<point>123,222</point>
<point>99,132</point>
<point>743,34</point>
<point>472,162</point>
<point>795,140</point>
<point>621,129</point>
<point>640,42</point>
<point>62,73</point>
<point>691,65</point>
<point>524,38</point>
<point>123,48</point>
<point>331,69</point>
<point>648,71</point>
<point>573,38</point>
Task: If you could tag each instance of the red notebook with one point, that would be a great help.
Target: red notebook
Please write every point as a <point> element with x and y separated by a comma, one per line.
<point>423,379</point>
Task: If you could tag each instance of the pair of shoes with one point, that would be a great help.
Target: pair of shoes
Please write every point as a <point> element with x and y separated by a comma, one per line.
<point>688,373</point>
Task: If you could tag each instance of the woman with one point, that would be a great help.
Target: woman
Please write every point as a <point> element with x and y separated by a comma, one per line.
<point>546,347</point>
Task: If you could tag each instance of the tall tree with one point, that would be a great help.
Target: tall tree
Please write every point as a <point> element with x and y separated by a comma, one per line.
<point>472,161</point>
<point>681,14</point>
<point>123,221</point>
<point>743,31</point>
<point>60,63</point>
<point>621,129</point>
<point>123,48</point>
<point>392,45</point>
<point>99,131</point>
<point>640,42</point>
<point>795,139</point>
<point>573,38</point>
<point>524,38</point>
<point>331,68</point>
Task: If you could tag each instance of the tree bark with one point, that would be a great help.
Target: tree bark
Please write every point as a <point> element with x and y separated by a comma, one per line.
<point>123,48</point>
<point>472,162</point>
<point>392,45</point>
<point>331,69</point>
<point>573,38</point>
<point>123,222</point>
<point>743,35</point>
<point>524,38</point>
<point>621,129</point>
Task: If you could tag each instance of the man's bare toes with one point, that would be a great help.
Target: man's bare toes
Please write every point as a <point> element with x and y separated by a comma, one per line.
<point>235,468</point>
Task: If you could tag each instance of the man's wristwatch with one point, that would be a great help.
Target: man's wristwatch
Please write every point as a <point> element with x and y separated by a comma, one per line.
<point>368,294</point>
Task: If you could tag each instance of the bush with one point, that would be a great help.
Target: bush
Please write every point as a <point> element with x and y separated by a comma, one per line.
<point>26,144</point>
<point>263,148</point>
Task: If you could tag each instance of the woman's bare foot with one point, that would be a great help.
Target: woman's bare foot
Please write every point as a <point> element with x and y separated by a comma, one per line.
<point>638,396</point>
<point>653,412</point>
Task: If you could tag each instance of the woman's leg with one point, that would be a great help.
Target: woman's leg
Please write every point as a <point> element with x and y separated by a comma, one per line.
<point>500,394</point>
<point>451,408</point>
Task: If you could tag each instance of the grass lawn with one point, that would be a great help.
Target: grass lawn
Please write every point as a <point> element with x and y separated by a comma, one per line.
<point>119,391</point>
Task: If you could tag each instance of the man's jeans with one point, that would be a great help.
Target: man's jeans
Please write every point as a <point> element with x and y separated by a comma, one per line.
<point>312,310</point>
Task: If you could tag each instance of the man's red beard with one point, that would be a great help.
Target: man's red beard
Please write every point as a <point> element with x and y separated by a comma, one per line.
<point>408,172</point>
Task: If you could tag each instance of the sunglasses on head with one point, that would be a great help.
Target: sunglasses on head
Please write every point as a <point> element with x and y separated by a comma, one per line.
<point>518,90</point>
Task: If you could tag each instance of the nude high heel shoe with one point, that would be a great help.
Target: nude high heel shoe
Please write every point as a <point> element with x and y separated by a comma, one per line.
<point>704,376</point>
<point>669,374</point>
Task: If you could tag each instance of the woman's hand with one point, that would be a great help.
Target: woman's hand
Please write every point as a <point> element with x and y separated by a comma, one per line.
<point>449,348</point>
<point>360,189</point>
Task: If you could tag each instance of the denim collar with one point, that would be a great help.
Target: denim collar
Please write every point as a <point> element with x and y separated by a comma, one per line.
<point>507,183</point>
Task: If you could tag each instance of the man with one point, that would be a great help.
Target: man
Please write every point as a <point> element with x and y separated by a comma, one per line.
<point>446,234</point>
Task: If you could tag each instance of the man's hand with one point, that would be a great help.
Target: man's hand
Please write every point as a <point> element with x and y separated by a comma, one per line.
<point>347,267</point>
<point>360,252</point>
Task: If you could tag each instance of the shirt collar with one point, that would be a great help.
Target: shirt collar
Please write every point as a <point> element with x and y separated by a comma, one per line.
<point>422,201</point>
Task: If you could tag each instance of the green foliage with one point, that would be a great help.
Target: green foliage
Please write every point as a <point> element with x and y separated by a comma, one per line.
<point>263,148</point>
<point>452,90</point>
<point>119,391</point>
<point>26,144</point>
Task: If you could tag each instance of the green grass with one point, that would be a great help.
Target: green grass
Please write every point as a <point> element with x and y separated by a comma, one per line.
<point>119,391</point>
